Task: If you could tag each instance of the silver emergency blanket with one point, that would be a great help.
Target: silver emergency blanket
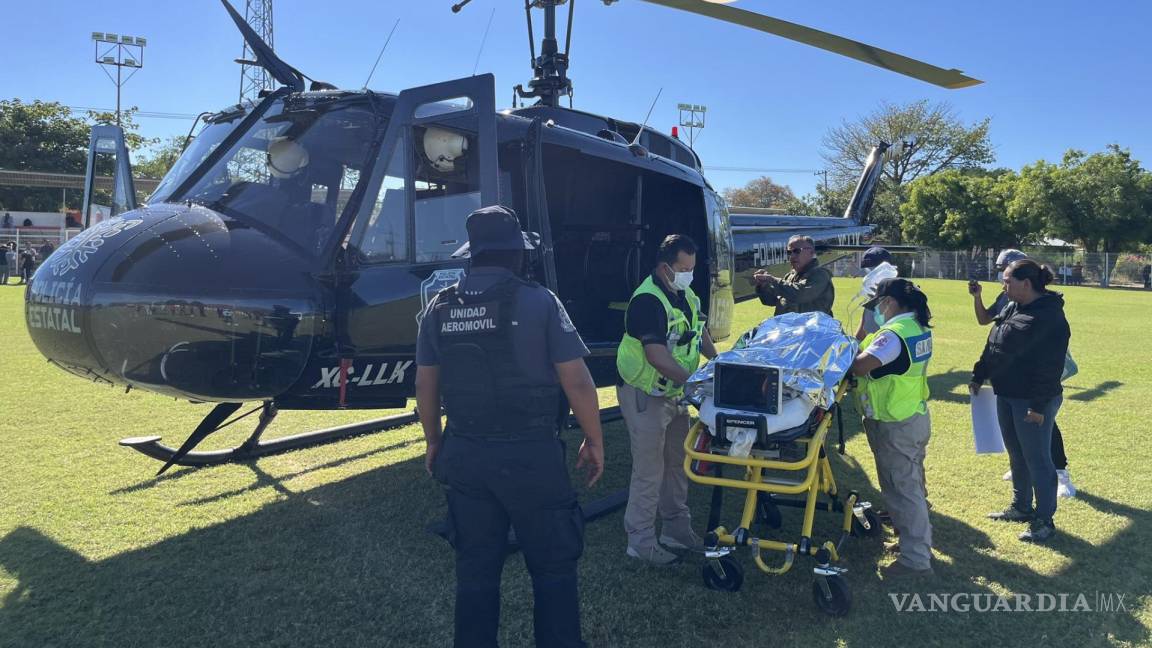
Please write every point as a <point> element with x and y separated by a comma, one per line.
<point>811,350</point>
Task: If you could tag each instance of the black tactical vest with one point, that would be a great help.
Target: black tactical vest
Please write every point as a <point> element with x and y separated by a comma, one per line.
<point>484,389</point>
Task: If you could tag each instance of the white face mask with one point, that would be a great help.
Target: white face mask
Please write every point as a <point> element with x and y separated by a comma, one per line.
<point>681,279</point>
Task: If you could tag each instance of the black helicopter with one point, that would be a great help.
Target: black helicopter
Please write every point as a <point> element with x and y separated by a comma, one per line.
<point>285,257</point>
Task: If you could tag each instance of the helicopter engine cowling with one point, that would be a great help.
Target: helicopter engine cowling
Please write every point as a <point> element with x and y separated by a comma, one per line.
<point>179,300</point>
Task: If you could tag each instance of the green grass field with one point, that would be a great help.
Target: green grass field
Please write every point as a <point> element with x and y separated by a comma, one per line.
<point>326,546</point>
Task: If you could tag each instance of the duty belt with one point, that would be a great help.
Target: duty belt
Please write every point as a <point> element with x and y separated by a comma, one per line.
<point>505,436</point>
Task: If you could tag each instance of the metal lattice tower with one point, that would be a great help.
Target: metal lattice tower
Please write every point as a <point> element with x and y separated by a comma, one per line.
<point>253,78</point>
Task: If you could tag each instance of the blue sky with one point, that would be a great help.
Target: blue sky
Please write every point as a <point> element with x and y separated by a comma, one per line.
<point>1057,74</point>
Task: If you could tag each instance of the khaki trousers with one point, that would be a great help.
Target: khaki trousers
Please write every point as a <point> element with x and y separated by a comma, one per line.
<point>657,428</point>
<point>899,448</point>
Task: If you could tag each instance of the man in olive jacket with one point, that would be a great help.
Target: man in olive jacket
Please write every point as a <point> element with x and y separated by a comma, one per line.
<point>807,288</point>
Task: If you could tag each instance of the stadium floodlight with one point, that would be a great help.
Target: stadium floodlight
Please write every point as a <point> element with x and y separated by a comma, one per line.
<point>114,55</point>
<point>692,119</point>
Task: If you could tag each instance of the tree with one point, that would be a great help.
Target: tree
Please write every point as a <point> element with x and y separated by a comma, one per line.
<point>160,159</point>
<point>44,136</point>
<point>761,192</point>
<point>132,139</point>
<point>964,210</point>
<point>936,140</point>
<point>39,136</point>
<point>1103,200</point>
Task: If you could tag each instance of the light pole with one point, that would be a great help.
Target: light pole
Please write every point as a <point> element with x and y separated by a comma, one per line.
<point>120,52</point>
<point>692,118</point>
<point>822,172</point>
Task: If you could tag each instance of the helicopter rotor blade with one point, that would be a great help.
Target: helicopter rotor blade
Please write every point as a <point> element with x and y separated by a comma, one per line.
<point>951,79</point>
<point>265,56</point>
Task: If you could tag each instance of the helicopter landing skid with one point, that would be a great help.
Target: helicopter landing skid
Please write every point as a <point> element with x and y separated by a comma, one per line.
<point>254,446</point>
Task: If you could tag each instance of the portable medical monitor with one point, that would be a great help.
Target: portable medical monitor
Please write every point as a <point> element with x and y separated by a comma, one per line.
<point>751,389</point>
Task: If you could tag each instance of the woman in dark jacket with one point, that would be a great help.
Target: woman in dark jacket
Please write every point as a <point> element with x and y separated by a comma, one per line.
<point>1024,359</point>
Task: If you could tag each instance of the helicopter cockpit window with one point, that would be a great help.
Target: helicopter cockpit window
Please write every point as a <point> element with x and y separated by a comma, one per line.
<point>292,172</point>
<point>447,189</point>
<point>199,149</point>
<point>385,238</point>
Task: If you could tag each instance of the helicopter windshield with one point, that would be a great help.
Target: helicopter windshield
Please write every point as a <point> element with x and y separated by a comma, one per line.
<point>206,142</point>
<point>290,174</point>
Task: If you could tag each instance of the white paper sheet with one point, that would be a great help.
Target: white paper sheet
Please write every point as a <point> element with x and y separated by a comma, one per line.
<point>985,425</point>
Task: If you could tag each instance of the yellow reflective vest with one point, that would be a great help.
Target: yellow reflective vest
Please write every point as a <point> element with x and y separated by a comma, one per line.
<point>633,365</point>
<point>896,397</point>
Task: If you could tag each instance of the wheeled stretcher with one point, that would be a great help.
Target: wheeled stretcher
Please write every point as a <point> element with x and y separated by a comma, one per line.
<point>786,465</point>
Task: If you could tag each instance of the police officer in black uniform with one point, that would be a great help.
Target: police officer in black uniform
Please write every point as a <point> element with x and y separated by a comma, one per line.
<point>497,351</point>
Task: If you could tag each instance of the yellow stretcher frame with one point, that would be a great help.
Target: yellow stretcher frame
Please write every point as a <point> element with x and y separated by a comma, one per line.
<point>817,480</point>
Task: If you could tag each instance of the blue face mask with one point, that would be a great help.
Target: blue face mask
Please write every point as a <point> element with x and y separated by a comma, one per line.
<point>878,316</point>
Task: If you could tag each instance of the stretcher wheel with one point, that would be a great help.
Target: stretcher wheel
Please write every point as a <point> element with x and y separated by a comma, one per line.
<point>841,596</point>
<point>724,574</point>
<point>768,512</point>
<point>858,529</point>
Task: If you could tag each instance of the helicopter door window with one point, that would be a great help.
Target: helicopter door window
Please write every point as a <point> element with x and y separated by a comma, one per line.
<point>441,108</point>
<point>447,189</point>
<point>385,238</point>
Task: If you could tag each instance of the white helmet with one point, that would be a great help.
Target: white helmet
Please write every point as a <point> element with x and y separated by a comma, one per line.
<point>286,157</point>
<point>443,148</point>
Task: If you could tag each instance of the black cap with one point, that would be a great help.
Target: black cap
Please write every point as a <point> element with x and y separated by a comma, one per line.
<point>494,228</point>
<point>892,287</point>
<point>874,257</point>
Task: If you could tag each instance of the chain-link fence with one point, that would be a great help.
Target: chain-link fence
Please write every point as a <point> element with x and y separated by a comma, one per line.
<point>1105,269</point>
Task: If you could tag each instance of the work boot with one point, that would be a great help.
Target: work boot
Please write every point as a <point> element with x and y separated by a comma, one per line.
<point>1011,514</point>
<point>1039,531</point>
<point>1064,485</point>
<point>655,555</point>
<point>900,570</point>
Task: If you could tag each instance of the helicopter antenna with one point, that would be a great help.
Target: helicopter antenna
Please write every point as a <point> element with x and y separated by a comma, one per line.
<point>483,40</point>
<point>645,124</point>
<point>381,54</point>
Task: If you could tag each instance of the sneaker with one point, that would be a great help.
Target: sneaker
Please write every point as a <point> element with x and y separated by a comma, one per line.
<point>1007,476</point>
<point>655,555</point>
<point>689,541</point>
<point>1039,531</point>
<point>1064,485</point>
<point>900,570</point>
<point>1011,514</point>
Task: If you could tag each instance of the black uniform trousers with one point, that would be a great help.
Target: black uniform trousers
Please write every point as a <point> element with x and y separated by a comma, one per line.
<point>492,485</point>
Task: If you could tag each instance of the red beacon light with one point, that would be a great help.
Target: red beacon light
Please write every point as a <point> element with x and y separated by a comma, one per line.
<point>676,132</point>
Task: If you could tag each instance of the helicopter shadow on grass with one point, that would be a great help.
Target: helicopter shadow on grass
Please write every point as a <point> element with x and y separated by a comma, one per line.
<point>341,564</point>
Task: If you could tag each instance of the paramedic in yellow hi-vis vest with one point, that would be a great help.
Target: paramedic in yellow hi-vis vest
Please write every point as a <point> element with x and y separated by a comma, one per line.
<point>663,340</point>
<point>892,393</point>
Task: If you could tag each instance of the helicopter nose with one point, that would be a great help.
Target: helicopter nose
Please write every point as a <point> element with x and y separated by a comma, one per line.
<point>179,300</point>
<point>59,298</point>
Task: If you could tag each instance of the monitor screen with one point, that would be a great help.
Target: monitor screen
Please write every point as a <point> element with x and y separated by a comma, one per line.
<point>754,389</point>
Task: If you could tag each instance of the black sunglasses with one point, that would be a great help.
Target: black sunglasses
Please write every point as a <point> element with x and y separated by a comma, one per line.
<point>797,250</point>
